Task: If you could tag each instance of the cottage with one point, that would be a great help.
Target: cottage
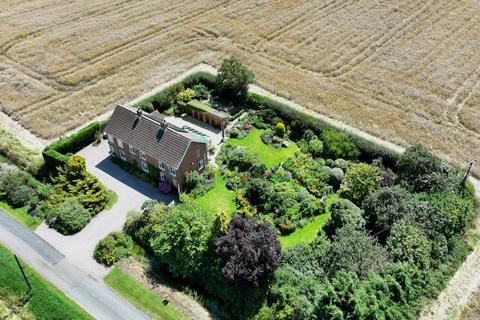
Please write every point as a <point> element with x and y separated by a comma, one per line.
<point>148,140</point>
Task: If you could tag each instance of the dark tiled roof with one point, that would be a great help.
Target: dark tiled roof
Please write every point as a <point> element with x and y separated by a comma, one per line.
<point>148,135</point>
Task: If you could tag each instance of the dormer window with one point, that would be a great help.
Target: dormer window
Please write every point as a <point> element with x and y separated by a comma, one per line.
<point>132,149</point>
<point>161,165</point>
<point>173,172</point>
<point>143,156</point>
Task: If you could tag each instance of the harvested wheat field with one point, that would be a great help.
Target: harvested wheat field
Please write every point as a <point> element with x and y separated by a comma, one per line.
<point>407,71</point>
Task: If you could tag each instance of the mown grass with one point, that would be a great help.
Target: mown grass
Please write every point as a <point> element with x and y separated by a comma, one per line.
<point>44,300</point>
<point>268,155</point>
<point>219,198</point>
<point>308,232</point>
<point>21,215</point>
<point>143,298</point>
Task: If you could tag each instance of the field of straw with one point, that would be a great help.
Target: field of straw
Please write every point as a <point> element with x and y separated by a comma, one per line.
<point>407,71</point>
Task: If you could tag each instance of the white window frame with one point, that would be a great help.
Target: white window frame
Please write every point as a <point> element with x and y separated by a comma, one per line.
<point>173,172</point>
<point>120,143</point>
<point>143,156</point>
<point>161,165</point>
<point>123,156</point>
<point>132,149</point>
<point>201,164</point>
<point>144,166</point>
<point>110,138</point>
<point>163,177</point>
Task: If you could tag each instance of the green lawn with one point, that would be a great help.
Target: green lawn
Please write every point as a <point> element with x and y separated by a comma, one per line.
<point>268,155</point>
<point>46,301</point>
<point>21,215</point>
<point>219,198</point>
<point>309,231</point>
<point>143,298</point>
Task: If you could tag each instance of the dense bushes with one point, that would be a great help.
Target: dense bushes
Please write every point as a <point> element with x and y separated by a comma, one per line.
<point>113,248</point>
<point>310,173</point>
<point>338,145</point>
<point>20,189</point>
<point>344,213</point>
<point>360,180</point>
<point>15,152</point>
<point>56,154</point>
<point>73,179</point>
<point>420,170</point>
<point>67,217</point>
<point>200,82</point>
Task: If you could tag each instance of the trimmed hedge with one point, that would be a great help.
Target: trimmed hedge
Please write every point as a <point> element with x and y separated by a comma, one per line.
<point>299,122</point>
<point>56,154</point>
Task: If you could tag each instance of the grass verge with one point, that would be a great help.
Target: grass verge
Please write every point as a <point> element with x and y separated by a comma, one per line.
<point>143,298</point>
<point>21,215</point>
<point>44,301</point>
<point>219,198</point>
<point>268,155</point>
<point>308,232</point>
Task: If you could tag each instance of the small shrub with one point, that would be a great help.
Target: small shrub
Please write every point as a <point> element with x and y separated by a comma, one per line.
<point>201,91</point>
<point>360,181</point>
<point>113,248</point>
<point>192,180</point>
<point>186,95</point>
<point>315,147</point>
<point>23,196</point>
<point>234,133</point>
<point>336,176</point>
<point>280,129</point>
<point>67,217</point>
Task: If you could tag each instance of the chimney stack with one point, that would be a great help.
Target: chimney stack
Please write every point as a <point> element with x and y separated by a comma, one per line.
<point>139,112</point>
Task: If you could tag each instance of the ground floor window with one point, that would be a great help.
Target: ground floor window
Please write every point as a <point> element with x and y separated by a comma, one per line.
<point>162,176</point>
<point>201,164</point>
<point>123,155</point>
<point>145,166</point>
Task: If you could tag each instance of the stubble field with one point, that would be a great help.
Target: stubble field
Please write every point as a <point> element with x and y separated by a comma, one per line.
<point>407,71</point>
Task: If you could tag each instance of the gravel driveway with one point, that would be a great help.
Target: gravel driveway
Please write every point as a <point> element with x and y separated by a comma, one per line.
<point>131,191</point>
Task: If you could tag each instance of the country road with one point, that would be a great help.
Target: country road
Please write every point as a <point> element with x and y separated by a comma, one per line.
<point>92,295</point>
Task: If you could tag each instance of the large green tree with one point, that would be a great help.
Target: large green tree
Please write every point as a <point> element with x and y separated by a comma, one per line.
<point>233,79</point>
<point>181,240</point>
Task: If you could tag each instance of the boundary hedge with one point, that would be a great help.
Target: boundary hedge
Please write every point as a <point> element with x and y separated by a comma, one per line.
<point>302,121</point>
<point>56,154</point>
